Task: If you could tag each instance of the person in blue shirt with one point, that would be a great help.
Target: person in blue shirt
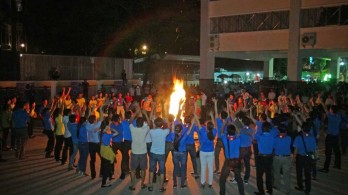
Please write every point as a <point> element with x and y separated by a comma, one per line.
<point>282,160</point>
<point>246,137</point>
<point>180,154</point>
<point>305,145</point>
<point>218,145</point>
<point>261,119</point>
<point>118,144</point>
<point>20,120</point>
<point>72,128</point>
<point>169,142</point>
<point>332,138</point>
<point>93,132</point>
<point>232,145</point>
<point>106,153</point>
<point>127,136</point>
<point>206,135</point>
<point>48,127</point>
<point>264,161</point>
<point>190,145</point>
<point>82,146</point>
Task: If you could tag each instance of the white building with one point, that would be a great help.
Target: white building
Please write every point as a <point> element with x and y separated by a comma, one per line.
<point>268,29</point>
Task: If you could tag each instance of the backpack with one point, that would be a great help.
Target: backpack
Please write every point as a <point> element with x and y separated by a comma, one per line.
<point>177,140</point>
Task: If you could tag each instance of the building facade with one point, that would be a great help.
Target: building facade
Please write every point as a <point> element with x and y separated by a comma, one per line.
<point>269,29</point>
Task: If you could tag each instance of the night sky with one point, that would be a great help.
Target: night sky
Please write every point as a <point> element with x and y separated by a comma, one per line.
<point>111,28</point>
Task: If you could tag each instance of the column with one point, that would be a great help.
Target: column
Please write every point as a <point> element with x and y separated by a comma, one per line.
<point>294,58</point>
<point>268,69</point>
<point>207,58</point>
<point>335,69</point>
<point>53,89</point>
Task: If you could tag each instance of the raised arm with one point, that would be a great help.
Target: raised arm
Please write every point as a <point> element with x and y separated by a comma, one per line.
<point>68,93</point>
<point>192,123</point>
<point>137,111</point>
<point>324,106</point>
<point>146,117</point>
<point>197,121</point>
<point>215,107</point>
<point>252,116</point>
<point>213,120</point>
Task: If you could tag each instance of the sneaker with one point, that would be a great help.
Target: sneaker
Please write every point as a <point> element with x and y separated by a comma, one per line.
<point>233,181</point>
<point>246,182</point>
<point>217,172</point>
<point>175,186</point>
<point>183,186</point>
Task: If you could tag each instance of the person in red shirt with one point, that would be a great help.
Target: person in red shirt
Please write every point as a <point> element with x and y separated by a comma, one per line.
<point>129,100</point>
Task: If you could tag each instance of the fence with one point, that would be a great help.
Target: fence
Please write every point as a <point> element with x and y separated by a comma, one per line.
<point>41,67</point>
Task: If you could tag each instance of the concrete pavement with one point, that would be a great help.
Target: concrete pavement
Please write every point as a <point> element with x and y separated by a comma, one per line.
<point>38,175</point>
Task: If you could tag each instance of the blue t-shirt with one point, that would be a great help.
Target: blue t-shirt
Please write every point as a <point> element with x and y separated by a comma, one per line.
<point>274,131</point>
<point>93,137</point>
<point>47,122</point>
<point>334,121</point>
<point>20,119</point>
<point>158,137</point>
<point>82,134</point>
<point>126,130</point>
<point>245,138</point>
<point>282,145</point>
<point>231,147</point>
<point>310,144</point>
<point>72,127</point>
<point>316,127</point>
<point>258,127</point>
<point>182,144</point>
<point>207,145</point>
<point>171,135</point>
<point>185,128</point>
<point>219,124</point>
<point>119,129</point>
<point>106,138</point>
<point>265,142</point>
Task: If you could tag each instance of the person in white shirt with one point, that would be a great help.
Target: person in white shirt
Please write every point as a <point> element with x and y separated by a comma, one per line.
<point>68,144</point>
<point>139,151</point>
<point>157,152</point>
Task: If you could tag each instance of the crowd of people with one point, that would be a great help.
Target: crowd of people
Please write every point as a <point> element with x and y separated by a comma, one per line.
<point>277,129</point>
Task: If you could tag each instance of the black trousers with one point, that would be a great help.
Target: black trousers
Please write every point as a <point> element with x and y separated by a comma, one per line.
<point>127,148</point>
<point>58,147</point>
<point>21,140</point>
<point>68,146</point>
<point>119,146</point>
<point>303,164</point>
<point>5,133</point>
<point>229,164</point>
<point>106,167</point>
<point>332,143</point>
<point>94,149</point>
<point>50,141</point>
<point>264,166</point>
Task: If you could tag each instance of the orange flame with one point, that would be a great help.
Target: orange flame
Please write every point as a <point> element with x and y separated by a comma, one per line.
<point>177,95</point>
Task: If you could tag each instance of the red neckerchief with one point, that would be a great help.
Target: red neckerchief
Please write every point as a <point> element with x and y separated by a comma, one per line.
<point>282,135</point>
<point>231,137</point>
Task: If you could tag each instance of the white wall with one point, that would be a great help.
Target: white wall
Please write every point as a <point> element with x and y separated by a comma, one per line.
<point>236,7</point>
<point>329,37</point>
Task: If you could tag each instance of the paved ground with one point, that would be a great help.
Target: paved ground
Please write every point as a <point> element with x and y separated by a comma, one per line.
<point>37,175</point>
